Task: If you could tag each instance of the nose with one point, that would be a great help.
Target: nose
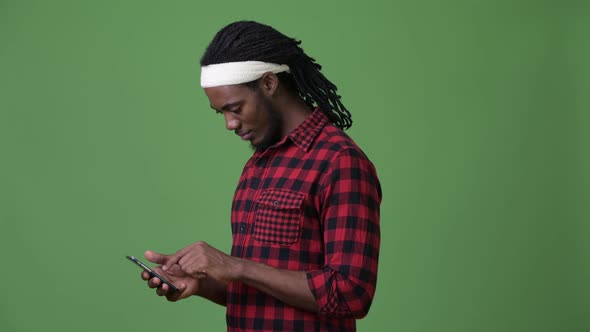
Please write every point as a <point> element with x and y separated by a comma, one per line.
<point>231,123</point>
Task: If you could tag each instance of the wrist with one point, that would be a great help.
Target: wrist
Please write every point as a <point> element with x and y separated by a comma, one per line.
<point>238,269</point>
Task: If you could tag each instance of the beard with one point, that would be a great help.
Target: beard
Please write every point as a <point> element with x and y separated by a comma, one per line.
<point>275,126</point>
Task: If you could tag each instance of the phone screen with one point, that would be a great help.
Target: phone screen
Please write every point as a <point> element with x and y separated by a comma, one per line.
<point>152,272</point>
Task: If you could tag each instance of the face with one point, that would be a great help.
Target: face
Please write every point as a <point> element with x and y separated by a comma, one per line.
<point>248,113</point>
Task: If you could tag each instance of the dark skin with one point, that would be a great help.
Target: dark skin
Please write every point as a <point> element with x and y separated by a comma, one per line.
<point>262,116</point>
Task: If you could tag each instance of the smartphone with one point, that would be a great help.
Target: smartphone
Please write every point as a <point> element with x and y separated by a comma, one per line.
<point>152,273</point>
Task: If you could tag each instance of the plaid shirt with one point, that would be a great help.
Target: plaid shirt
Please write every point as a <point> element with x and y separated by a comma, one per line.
<point>309,203</point>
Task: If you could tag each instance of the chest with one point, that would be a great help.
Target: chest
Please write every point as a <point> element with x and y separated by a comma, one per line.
<point>278,199</point>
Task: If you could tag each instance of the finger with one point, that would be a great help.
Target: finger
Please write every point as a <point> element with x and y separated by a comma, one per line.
<point>154,282</point>
<point>184,265</point>
<point>163,290</point>
<point>155,257</point>
<point>175,270</point>
<point>175,296</point>
<point>173,259</point>
<point>145,275</point>
<point>163,274</point>
<point>159,271</point>
<point>185,260</point>
<point>192,264</point>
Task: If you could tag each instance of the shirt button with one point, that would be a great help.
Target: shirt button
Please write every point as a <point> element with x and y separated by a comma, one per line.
<point>242,229</point>
<point>276,203</point>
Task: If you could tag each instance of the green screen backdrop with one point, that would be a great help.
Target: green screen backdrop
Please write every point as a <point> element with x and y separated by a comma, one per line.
<point>475,113</point>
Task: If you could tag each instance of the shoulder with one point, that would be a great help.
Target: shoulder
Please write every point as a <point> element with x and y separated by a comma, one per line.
<point>334,143</point>
<point>348,169</point>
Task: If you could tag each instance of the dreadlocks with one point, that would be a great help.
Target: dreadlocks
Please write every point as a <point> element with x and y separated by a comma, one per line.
<point>253,41</point>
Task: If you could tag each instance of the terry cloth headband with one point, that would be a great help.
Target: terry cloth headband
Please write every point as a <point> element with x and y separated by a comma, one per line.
<point>230,73</point>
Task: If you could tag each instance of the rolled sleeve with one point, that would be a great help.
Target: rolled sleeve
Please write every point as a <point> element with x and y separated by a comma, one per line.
<point>349,205</point>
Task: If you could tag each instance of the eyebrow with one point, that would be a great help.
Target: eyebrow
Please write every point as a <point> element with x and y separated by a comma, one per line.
<point>227,106</point>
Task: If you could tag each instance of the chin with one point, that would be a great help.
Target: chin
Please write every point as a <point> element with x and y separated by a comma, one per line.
<point>263,143</point>
<point>256,143</point>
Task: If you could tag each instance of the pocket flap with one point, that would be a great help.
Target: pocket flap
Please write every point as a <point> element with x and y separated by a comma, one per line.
<point>281,199</point>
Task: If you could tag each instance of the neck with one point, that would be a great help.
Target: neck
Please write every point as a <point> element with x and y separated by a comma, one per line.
<point>294,111</point>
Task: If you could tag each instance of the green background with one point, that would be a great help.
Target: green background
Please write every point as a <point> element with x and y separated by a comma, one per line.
<point>475,113</point>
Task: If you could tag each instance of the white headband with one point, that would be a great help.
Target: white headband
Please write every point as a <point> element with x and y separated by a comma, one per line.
<point>231,73</point>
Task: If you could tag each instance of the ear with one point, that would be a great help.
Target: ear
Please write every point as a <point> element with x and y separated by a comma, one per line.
<point>268,84</point>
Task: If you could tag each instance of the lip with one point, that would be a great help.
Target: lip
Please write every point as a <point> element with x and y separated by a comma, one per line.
<point>246,136</point>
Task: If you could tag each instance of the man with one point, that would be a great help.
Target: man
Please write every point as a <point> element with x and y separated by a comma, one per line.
<point>305,215</point>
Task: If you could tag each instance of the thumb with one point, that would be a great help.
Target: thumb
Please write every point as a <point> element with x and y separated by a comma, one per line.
<point>155,257</point>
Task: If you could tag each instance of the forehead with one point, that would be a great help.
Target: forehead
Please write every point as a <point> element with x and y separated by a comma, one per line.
<point>227,94</point>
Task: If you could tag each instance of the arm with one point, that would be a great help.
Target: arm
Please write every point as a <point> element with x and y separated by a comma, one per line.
<point>288,286</point>
<point>350,200</point>
<point>345,287</point>
<point>200,261</point>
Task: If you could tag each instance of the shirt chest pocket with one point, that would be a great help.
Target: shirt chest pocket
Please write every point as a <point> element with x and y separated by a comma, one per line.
<point>278,216</point>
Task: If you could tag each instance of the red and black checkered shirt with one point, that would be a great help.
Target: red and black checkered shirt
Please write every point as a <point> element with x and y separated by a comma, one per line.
<point>309,203</point>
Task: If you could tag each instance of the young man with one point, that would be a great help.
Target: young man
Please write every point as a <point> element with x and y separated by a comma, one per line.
<point>305,215</point>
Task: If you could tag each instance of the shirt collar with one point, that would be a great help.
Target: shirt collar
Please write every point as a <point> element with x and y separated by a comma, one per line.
<point>308,130</point>
<point>303,135</point>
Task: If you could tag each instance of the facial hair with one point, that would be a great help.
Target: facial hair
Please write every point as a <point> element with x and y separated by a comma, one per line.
<point>275,126</point>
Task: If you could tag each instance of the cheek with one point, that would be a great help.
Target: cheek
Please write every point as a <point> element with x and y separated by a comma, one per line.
<point>266,122</point>
<point>259,117</point>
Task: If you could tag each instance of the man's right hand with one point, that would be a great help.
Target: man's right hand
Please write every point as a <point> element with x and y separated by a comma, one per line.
<point>186,284</point>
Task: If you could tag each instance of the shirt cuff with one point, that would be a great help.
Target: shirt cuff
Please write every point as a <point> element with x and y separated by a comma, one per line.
<point>324,287</point>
